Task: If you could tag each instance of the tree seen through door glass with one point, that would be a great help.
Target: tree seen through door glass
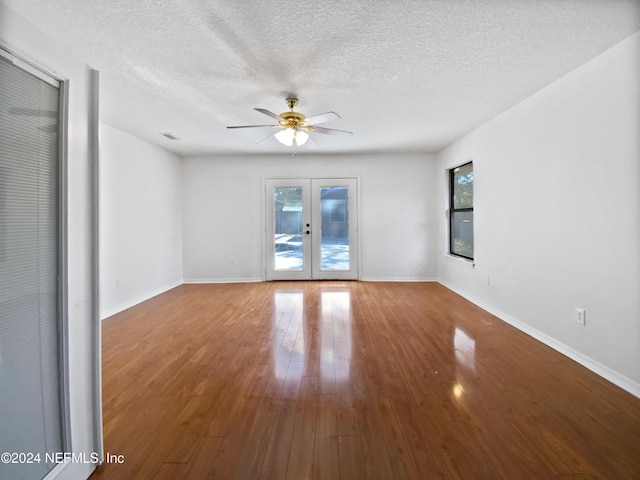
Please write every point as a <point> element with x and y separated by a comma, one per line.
<point>288,228</point>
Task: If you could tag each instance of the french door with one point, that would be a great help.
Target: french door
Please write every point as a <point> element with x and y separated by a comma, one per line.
<point>311,228</point>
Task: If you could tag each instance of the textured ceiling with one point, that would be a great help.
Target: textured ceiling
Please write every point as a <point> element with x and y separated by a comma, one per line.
<point>405,75</point>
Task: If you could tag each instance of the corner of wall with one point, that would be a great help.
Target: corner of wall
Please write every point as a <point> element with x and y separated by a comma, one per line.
<point>548,173</point>
<point>141,220</point>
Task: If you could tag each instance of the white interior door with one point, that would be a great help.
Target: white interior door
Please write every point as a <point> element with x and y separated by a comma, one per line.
<point>311,228</point>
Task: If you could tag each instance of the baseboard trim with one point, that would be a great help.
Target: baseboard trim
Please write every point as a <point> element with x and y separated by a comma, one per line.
<point>399,279</point>
<point>72,470</point>
<point>224,280</point>
<point>259,279</point>
<point>605,372</point>
<point>109,312</point>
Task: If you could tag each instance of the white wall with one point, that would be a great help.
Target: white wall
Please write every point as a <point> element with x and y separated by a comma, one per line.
<point>223,212</point>
<point>83,355</point>
<point>140,221</point>
<point>556,214</point>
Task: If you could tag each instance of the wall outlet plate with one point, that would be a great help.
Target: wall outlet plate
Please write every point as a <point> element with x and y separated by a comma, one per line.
<point>580,316</point>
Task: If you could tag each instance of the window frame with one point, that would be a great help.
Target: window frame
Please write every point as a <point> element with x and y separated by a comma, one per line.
<point>453,211</point>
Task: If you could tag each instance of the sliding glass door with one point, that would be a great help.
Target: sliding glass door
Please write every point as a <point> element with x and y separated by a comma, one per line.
<point>311,228</point>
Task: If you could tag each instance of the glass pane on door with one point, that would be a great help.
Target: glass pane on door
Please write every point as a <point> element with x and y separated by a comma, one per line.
<point>288,223</point>
<point>334,239</point>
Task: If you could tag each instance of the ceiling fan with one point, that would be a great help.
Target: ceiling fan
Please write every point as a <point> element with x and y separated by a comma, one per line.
<point>293,127</point>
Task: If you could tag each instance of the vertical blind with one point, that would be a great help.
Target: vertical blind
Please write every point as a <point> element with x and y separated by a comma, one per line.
<point>30,406</point>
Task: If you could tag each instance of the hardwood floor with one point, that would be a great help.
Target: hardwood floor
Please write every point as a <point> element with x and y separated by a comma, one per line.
<point>350,380</point>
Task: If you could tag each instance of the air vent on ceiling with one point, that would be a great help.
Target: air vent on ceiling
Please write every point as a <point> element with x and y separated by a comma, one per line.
<point>170,136</point>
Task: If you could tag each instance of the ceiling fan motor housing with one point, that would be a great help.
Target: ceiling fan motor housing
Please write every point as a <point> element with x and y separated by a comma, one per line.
<point>292,119</point>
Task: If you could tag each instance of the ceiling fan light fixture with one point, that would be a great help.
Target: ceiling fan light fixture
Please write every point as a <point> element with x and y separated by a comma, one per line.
<point>286,136</point>
<point>301,137</point>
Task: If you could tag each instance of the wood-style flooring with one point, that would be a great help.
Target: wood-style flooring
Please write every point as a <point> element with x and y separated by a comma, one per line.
<point>350,380</point>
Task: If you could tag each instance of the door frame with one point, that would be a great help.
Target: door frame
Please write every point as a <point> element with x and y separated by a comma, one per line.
<point>80,369</point>
<point>354,216</point>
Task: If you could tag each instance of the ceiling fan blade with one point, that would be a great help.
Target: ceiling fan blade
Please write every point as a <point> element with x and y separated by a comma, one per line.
<point>322,118</point>
<point>311,143</point>
<point>330,131</point>
<point>32,112</point>
<point>267,138</point>
<point>268,113</point>
<point>253,126</point>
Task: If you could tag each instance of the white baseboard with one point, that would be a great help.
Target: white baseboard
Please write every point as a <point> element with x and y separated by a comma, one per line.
<point>258,279</point>
<point>605,372</point>
<point>399,279</point>
<point>108,312</point>
<point>72,470</point>
<point>224,280</point>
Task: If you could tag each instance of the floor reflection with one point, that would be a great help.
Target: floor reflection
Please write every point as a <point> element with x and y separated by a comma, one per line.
<point>288,331</point>
<point>465,355</point>
<point>465,348</point>
<point>457,390</point>
<point>310,344</point>
<point>335,349</point>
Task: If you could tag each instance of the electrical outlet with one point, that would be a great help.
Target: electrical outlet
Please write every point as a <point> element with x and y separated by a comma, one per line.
<point>581,316</point>
<point>233,262</point>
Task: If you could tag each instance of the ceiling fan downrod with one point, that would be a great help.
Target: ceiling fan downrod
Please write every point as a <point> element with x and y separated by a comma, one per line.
<point>292,103</point>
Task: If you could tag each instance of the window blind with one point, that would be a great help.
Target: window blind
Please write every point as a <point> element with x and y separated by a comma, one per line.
<point>30,406</point>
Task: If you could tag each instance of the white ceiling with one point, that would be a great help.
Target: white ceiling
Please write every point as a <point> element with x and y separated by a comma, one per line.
<point>405,75</point>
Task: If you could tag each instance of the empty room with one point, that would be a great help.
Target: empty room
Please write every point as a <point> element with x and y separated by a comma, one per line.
<point>322,240</point>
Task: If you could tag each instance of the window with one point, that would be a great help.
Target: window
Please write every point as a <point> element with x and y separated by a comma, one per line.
<point>461,211</point>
